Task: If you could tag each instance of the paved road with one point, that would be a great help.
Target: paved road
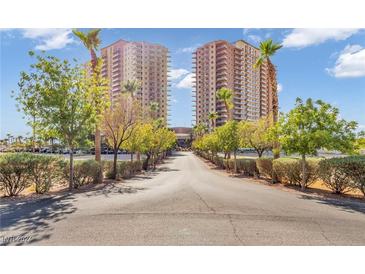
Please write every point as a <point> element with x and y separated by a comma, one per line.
<point>186,203</point>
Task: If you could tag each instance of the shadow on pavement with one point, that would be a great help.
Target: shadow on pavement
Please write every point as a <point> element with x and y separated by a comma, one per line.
<point>342,204</point>
<point>34,218</point>
<point>109,189</point>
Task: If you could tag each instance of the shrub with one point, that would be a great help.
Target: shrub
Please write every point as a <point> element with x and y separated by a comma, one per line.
<point>356,170</point>
<point>218,161</point>
<point>264,166</point>
<point>108,169</point>
<point>289,170</point>
<point>85,172</point>
<point>44,171</point>
<point>14,173</point>
<point>247,166</point>
<point>136,166</point>
<point>343,174</point>
<point>125,169</point>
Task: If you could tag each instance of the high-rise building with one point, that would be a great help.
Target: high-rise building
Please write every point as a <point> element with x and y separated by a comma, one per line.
<point>221,64</point>
<point>145,62</point>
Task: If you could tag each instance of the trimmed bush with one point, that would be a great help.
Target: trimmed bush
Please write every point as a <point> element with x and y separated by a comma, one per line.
<point>289,170</point>
<point>343,174</point>
<point>125,169</point>
<point>264,166</point>
<point>14,173</point>
<point>218,161</point>
<point>356,170</point>
<point>44,171</point>
<point>128,169</point>
<point>246,166</point>
<point>85,172</point>
<point>108,169</point>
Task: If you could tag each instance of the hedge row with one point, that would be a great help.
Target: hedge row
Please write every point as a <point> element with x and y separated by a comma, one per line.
<point>338,174</point>
<point>21,170</point>
<point>125,169</point>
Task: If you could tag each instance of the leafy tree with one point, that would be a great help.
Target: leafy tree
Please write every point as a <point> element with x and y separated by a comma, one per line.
<point>27,100</point>
<point>91,41</point>
<point>118,124</point>
<point>136,140</point>
<point>64,101</point>
<point>199,130</point>
<point>268,49</point>
<point>229,139</point>
<point>226,96</point>
<point>311,126</point>
<point>256,134</point>
<point>154,141</point>
<point>360,142</point>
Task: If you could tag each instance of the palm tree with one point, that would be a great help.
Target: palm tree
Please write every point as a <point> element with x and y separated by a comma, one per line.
<point>226,95</point>
<point>92,42</point>
<point>267,49</point>
<point>131,86</point>
<point>154,107</point>
<point>213,116</point>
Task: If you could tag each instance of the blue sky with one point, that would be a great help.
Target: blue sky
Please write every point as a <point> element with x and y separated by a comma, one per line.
<point>327,64</point>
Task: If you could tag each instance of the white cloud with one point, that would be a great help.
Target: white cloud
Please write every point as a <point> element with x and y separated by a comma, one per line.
<point>280,87</point>
<point>177,73</point>
<point>186,82</point>
<point>350,63</point>
<point>255,38</point>
<point>188,49</point>
<point>300,38</point>
<point>48,39</point>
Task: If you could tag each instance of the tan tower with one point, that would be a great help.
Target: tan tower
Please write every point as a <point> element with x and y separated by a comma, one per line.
<point>221,64</point>
<point>145,62</point>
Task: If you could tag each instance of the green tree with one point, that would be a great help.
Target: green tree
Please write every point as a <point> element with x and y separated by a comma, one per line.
<point>27,100</point>
<point>91,41</point>
<point>199,130</point>
<point>226,96</point>
<point>256,134</point>
<point>64,101</point>
<point>118,124</point>
<point>311,126</point>
<point>229,139</point>
<point>268,49</point>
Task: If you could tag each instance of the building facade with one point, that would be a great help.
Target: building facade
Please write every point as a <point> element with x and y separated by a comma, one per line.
<point>145,62</point>
<point>221,64</point>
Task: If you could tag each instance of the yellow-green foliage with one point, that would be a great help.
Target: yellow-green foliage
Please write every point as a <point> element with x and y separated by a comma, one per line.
<point>289,170</point>
<point>264,166</point>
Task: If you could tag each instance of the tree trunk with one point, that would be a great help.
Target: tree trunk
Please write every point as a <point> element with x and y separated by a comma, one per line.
<point>138,156</point>
<point>131,156</point>
<point>33,135</point>
<point>52,144</point>
<point>145,163</point>
<point>274,103</point>
<point>98,150</point>
<point>235,161</point>
<point>154,161</point>
<point>304,171</point>
<point>115,160</point>
<point>71,181</point>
